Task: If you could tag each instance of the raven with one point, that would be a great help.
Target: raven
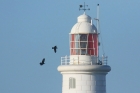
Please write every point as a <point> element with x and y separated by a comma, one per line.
<point>55,47</point>
<point>43,60</point>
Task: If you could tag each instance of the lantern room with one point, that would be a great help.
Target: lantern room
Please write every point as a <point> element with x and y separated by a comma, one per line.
<point>84,37</point>
<point>84,43</point>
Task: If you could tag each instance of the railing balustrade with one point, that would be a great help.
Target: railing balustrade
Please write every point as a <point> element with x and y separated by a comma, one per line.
<point>76,61</point>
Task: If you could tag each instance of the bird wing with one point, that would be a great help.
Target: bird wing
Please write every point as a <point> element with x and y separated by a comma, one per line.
<point>43,60</point>
<point>40,63</point>
<point>55,50</point>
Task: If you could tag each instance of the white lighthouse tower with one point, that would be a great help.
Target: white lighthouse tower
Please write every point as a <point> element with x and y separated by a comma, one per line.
<point>84,71</point>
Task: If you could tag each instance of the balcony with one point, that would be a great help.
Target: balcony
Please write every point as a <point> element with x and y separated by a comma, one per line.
<point>76,61</point>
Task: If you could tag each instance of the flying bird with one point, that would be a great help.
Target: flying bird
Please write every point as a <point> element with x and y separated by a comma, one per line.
<point>55,47</point>
<point>42,63</point>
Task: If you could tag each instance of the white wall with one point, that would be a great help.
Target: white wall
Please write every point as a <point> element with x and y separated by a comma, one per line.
<point>85,83</point>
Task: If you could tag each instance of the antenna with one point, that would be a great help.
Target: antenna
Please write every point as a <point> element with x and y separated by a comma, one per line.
<point>97,19</point>
<point>99,30</point>
<point>83,7</point>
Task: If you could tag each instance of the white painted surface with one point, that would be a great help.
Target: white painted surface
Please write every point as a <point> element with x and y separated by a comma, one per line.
<point>89,78</point>
<point>86,87</point>
<point>79,83</point>
<point>85,83</point>
<point>83,59</point>
<point>83,25</point>
<point>84,18</point>
<point>81,92</point>
<point>93,69</point>
<point>91,92</point>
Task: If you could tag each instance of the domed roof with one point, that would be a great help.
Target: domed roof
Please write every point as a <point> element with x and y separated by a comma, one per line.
<point>84,18</point>
<point>83,25</point>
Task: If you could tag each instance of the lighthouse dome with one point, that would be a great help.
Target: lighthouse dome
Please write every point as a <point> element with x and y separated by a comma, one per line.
<point>83,25</point>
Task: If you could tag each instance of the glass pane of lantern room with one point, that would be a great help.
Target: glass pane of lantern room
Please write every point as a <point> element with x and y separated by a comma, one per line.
<point>83,44</point>
<point>83,37</point>
<point>77,37</point>
<point>83,51</point>
<point>77,51</point>
<point>76,44</point>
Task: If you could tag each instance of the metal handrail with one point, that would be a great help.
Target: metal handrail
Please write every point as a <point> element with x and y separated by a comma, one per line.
<point>67,61</point>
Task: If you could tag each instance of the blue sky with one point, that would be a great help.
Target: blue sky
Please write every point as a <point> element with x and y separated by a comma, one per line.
<point>29,29</point>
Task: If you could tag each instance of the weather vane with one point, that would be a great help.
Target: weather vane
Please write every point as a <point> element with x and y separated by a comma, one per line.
<point>83,7</point>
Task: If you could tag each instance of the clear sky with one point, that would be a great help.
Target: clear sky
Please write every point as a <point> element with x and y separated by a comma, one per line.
<point>29,29</point>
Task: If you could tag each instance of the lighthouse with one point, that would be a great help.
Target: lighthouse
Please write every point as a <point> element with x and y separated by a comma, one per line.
<point>84,71</point>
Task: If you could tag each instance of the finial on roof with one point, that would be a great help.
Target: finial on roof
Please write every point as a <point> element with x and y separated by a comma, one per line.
<point>83,7</point>
<point>84,13</point>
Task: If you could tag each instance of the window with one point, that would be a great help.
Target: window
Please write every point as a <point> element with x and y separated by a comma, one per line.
<point>77,51</point>
<point>84,44</point>
<point>72,83</point>
<point>76,44</point>
<point>83,37</point>
<point>77,37</point>
<point>83,51</point>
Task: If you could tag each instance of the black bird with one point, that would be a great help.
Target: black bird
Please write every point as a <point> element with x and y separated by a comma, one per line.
<point>42,63</point>
<point>55,47</point>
